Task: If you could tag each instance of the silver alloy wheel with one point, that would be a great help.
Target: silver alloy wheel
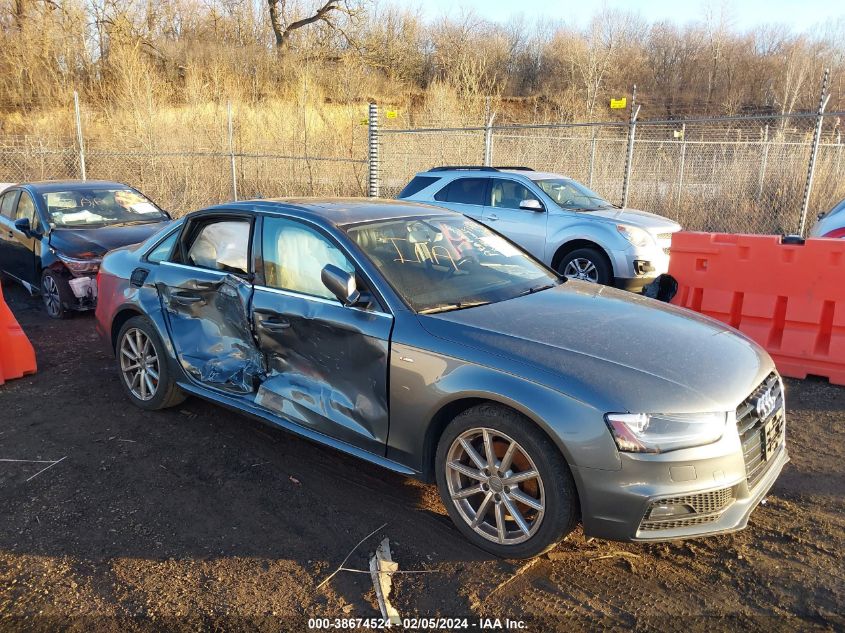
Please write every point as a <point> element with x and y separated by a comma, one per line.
<point>139,364</point>
<point>495,486</point>
<point>582,268</point>
<point>51,296</point>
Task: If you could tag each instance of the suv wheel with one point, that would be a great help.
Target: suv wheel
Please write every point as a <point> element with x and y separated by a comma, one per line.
<point>144,371</point>
<point>504,484</point>
<point>55,293</point>
<point>586,264</point>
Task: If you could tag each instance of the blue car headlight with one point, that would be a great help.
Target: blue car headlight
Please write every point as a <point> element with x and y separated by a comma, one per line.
<point>662,432</point>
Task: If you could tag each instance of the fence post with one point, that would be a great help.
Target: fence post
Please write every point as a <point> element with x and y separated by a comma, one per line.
<point>592,157</point>
<point>838,151</point>
<point>488,141</point>
<point>764,159</point>
<point>629,154</point>
<point>373,181</point>
<point>79,138</point>
<point>811,168</point>
<point>232,150</point>
<point>681,166</point>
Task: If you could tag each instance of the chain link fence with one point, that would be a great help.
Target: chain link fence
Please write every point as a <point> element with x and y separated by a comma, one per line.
<point>733,174</point>
<point>198,162</point>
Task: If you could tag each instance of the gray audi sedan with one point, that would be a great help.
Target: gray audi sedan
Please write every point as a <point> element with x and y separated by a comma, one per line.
<point>422,341</point>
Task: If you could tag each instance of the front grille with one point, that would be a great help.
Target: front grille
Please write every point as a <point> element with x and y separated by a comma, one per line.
<point>706,507</point>
<point>651,526</point>
<point>761,433</point>
<point>664,236</point>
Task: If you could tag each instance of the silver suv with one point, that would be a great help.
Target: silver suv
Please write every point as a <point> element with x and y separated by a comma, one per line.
<point>557,219</point>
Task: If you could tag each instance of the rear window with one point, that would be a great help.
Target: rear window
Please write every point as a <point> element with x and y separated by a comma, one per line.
<point>416,185</point>
<point>7,203</point>
<point>463,191</point>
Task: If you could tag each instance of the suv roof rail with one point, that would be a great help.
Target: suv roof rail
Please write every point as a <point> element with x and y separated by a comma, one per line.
<point>463,167</point>
<point>513,168</point>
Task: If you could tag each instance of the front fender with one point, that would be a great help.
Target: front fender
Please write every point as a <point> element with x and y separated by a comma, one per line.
<point>423,382</point>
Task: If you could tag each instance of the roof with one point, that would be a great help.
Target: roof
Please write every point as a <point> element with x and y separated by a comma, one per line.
<point>341,211</point>
<point>483,171</point>
<point>45,186</point>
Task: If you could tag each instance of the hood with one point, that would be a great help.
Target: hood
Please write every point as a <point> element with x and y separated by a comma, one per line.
<point>96,242</point>
<point>611,349</point>
<point>642,219</point>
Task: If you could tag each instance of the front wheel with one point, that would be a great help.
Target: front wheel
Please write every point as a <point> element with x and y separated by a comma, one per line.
<point>55,294</point>
<point>505,485</point>
<point>586,264</point>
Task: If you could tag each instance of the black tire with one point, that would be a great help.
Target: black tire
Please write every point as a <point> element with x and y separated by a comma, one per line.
<point>55,302</point>
<point>603,269</point>
<point>561,507</point>
<point>167,394</point>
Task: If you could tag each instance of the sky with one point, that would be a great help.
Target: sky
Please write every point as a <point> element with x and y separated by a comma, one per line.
<point>801,15</point>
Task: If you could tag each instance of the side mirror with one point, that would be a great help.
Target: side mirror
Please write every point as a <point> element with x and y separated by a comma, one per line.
<point>24,226</point>
<point>341,284</point>
<point>531,205</point>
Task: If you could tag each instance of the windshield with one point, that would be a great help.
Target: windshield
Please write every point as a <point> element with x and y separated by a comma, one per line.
<point>573,195</point>
<point>99,207</point>
<point>439,264</point>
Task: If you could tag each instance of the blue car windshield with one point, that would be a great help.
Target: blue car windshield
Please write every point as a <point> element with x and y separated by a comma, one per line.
<point>444,263</point>
<point>95,206</point>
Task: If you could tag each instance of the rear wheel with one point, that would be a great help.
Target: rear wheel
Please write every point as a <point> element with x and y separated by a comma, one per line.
<point>144,371</point>
<point>586,264</point>
<point>505,485</point>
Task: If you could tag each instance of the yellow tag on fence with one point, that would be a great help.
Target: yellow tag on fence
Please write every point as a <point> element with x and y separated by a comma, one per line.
<point>619,104</point>
<point>391,114</point>
<point>364,121</point>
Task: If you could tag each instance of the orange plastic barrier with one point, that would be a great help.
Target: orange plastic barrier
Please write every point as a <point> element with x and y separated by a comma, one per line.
<point>17,358</point>
<point>790,298</point>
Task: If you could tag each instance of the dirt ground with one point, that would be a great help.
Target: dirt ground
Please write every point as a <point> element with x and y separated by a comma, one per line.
<point>200,519</point>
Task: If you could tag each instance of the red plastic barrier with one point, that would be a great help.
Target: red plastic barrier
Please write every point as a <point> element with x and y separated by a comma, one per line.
<point>790,298</point>
<point>17,358</point>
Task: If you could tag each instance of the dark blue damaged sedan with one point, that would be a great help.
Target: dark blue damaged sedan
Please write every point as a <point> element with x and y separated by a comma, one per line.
<point>422,341</point>
<point>53,235</point>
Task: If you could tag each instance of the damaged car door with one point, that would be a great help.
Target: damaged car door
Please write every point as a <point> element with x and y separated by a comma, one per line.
<point>205,291</point>
<point>327,362</point>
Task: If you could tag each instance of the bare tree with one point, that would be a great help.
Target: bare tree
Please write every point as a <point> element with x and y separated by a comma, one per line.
<point>325,13</point>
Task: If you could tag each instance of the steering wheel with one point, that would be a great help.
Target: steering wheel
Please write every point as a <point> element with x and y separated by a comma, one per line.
<point>453,270</point>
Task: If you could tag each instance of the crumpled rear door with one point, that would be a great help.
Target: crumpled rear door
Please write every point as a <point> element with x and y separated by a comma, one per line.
<point>208,318</point>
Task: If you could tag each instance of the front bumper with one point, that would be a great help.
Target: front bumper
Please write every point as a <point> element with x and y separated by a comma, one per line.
<point>713,481</point>
<point>635,268</point>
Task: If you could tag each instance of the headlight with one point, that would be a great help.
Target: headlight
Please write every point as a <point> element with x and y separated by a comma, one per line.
<point>662,432</point>
<point>636,236</point>
<point>81,266</point>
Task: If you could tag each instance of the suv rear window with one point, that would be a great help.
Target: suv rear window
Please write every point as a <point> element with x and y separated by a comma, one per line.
<point>463,191</point>
<point>416,185</point>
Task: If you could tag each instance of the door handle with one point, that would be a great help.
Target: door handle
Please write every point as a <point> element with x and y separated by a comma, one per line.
<point>185,299</point>
<point>275,324</point>
<point>492,217</point>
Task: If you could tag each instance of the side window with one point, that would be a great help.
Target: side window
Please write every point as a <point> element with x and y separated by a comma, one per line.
<point>7,203</point>
<point>416,185</point>
<point>295,255</point>
<point>507,194</point>
<point>26,208</point>
<point>163,250</point>
<point>221,245</point>
<point>463,191</point>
